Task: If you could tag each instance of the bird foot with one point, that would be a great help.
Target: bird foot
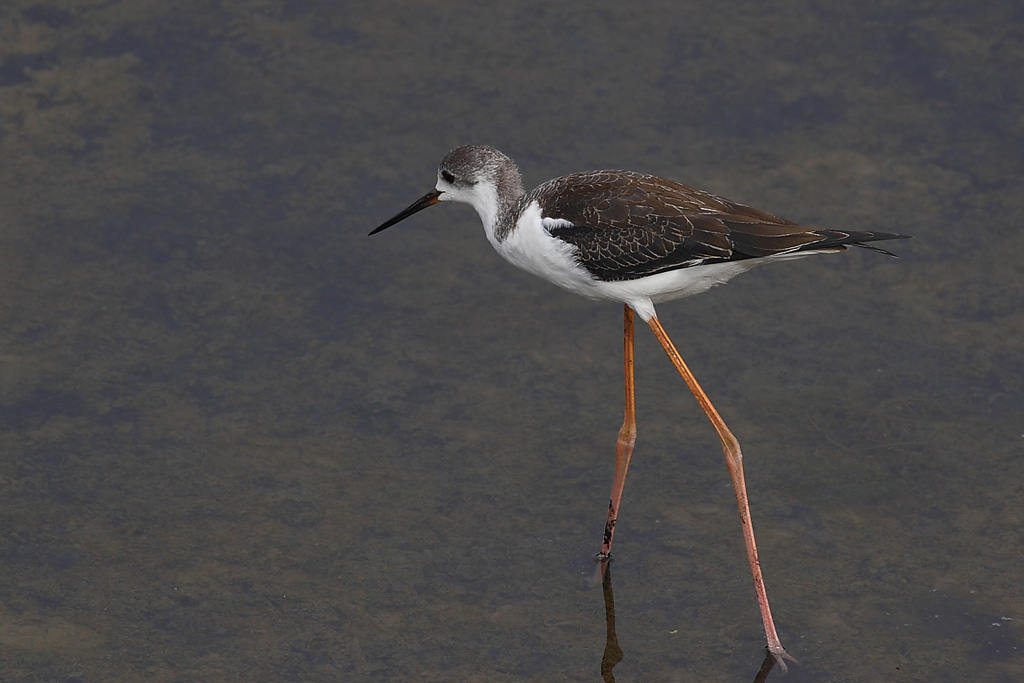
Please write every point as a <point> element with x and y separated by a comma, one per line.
<point>780,655</point>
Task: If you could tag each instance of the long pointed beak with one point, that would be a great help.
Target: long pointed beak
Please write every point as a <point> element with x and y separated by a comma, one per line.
<point>423,202</point>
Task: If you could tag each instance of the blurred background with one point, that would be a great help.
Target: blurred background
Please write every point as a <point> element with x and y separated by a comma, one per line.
<point>240,440</point>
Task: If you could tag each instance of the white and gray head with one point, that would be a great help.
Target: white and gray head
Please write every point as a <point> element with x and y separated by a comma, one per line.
<point>477,175</point>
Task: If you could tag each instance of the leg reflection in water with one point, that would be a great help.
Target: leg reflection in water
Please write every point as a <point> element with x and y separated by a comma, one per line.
<point>613,653</point>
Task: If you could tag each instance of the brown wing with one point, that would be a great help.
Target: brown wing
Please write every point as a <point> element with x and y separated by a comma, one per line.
<point>627,225</point>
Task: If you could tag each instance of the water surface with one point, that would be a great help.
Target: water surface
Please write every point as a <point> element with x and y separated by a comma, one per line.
<point>241,440</point>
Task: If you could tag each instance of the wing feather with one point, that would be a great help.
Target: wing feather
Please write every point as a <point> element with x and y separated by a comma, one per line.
<point>627,225</point>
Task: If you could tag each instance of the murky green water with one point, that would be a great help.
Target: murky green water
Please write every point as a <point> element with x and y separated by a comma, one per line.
<point>240,440</point>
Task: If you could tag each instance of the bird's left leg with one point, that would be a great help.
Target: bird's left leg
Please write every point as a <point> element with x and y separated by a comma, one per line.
<point>734,461</point>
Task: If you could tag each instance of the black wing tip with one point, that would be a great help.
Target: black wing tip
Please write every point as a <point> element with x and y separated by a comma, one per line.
<point>875,249</point>
<point>888,236</point>
<point>878,237</point>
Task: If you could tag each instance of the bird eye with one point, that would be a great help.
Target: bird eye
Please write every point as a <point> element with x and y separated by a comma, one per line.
<point>447,177</point>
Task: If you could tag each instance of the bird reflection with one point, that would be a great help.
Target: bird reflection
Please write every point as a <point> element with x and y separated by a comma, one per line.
<point>613,653</point>
<point>766,666</point>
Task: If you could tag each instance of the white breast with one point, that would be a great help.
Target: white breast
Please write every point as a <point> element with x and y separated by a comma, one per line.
<point>530,247</point>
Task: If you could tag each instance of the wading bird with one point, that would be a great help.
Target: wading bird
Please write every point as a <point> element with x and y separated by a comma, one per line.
<point>639,240</point>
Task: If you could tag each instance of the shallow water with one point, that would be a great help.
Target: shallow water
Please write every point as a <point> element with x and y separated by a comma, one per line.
<point>241,440</point>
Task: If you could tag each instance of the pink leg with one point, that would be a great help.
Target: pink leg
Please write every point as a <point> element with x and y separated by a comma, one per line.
<point>734,461</point>
<point>624,445</point>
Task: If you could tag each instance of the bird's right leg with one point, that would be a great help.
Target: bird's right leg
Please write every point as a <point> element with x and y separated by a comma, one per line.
<point>626,441</point>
